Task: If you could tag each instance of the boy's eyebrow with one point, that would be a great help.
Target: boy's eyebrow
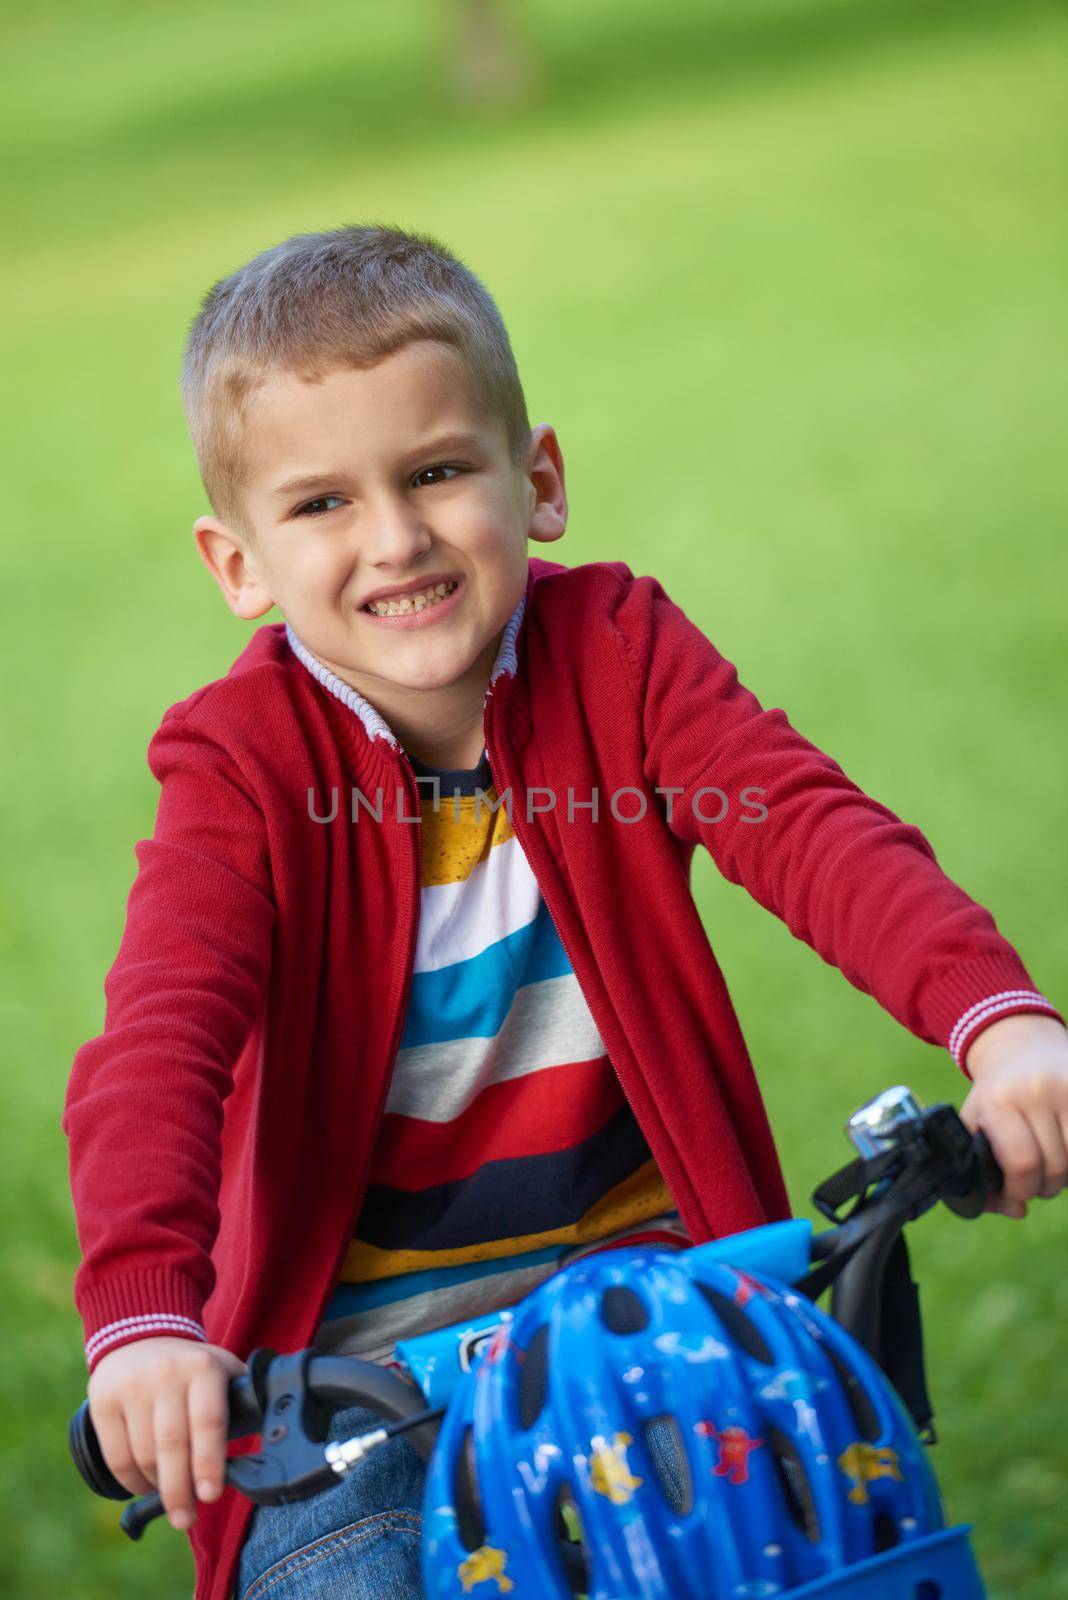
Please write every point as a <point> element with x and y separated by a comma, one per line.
<point>442,445</point>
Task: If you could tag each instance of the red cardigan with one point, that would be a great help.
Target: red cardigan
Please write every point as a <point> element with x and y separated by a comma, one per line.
<point>221,1126</point>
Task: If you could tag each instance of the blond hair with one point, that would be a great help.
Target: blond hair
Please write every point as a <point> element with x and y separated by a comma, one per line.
<point>343,298</point>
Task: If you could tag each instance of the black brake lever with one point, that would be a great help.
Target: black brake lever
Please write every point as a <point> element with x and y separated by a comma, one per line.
<point>985,1178</point>
<point>293,1463</point>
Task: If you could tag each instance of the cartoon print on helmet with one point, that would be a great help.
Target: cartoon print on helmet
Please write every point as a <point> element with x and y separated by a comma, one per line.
<point>865,1462</point>
<point>747,1287</point>
<point>692,1349</point>
<point>498,1344</point>
<point>789,1384</point>
<point>735,1447</point>
<point>485,1565</point>
<point>610,1473</point>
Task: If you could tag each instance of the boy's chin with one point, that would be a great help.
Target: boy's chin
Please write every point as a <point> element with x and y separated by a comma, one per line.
<point>423,676</point>
<point>471,663</point>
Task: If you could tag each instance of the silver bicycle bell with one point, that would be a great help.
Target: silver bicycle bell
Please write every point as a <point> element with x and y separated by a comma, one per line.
<point>876,1125</point>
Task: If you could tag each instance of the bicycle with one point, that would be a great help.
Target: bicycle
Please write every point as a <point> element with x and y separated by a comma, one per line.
<point>908,1160</point>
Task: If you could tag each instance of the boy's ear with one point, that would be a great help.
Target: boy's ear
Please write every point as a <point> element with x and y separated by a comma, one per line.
<point>233,567</point>
<point>545,485</point>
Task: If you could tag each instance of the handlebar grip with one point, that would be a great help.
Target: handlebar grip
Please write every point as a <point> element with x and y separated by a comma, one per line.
<point>977,1175</point>
<point>245,1414</point>
<point>89,1458</point>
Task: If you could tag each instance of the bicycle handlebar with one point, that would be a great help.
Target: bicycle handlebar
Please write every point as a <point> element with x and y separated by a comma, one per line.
<point>290,1399</point>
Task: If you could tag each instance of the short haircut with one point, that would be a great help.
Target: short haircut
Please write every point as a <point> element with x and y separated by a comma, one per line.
<point>343,298</point>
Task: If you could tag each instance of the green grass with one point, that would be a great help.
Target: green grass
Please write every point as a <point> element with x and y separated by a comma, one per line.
<point>788,279</point>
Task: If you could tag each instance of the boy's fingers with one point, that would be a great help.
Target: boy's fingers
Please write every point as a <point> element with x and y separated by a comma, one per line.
<point>142,1436</point>
<point>208,1425</point>
<point>1020,1156</point>
<point>115,1445</point>
<point>171,1422</point>
<point>1047,1130</point>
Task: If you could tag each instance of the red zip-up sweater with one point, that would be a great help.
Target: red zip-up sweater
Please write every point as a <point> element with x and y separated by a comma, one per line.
<point>221,1126</point>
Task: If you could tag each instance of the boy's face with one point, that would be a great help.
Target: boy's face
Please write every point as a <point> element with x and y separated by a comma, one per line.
<point>371,480</point>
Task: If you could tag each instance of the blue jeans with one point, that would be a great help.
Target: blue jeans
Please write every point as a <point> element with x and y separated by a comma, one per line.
<point>358,1541</point>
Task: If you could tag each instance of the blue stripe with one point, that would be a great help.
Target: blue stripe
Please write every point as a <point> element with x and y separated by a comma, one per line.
<point>350,1298</point>
<point>470,999</point>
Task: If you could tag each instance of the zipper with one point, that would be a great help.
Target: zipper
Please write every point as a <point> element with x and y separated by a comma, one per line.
<point>414,879</point>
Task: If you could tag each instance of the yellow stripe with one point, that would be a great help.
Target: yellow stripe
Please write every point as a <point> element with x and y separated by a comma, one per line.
<point>455,839</point>
<point>644,1194</point>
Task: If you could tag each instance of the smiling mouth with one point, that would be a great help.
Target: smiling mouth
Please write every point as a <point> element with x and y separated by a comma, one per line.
<point>406,604</point>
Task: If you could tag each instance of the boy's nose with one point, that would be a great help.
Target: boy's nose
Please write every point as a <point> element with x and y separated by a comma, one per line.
<point>394,534</point>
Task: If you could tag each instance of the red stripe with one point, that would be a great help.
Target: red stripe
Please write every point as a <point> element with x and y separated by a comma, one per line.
<point>678,1241</point>
<point>531,1116</point>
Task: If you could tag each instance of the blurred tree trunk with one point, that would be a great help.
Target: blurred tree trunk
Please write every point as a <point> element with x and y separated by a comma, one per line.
<point>490,65</point>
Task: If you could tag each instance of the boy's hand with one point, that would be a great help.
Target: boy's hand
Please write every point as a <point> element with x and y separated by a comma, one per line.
<point>1019,1067</point>
<point>160,1411</point>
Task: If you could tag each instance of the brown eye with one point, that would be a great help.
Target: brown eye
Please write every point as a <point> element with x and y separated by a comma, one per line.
<point>319,507</point>
<point>442,466</point>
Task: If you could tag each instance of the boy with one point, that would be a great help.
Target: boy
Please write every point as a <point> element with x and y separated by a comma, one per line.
<point>372,1062</point>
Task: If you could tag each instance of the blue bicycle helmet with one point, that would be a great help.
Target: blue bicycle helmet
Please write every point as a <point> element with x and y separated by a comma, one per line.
<point>664,1427</point>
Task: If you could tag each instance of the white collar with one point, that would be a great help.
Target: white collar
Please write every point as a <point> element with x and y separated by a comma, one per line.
<point>375,725</point>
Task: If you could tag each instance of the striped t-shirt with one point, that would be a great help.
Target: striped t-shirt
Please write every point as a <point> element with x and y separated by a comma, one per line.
<point>507,1146</point>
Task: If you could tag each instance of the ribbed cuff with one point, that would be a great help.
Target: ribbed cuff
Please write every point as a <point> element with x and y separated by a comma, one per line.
<point>953,1006</point>
<point>153,1303</point>
<point>1009,1003</point>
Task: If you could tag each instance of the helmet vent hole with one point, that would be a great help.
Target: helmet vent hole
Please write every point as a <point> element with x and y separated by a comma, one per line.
<point>739,1327</point>
<point>928,1590</point>
<point>793,1480</point>
<point>622,1310</point>
<point>570,1542</point>
<point>864,1413</point>
<point>663,1441</point>
<point>466,1497</point>
<point>533,1373</point>
<point>886,1535</point>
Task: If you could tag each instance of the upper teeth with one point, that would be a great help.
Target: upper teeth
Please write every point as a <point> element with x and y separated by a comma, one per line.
<point>412,602</point>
